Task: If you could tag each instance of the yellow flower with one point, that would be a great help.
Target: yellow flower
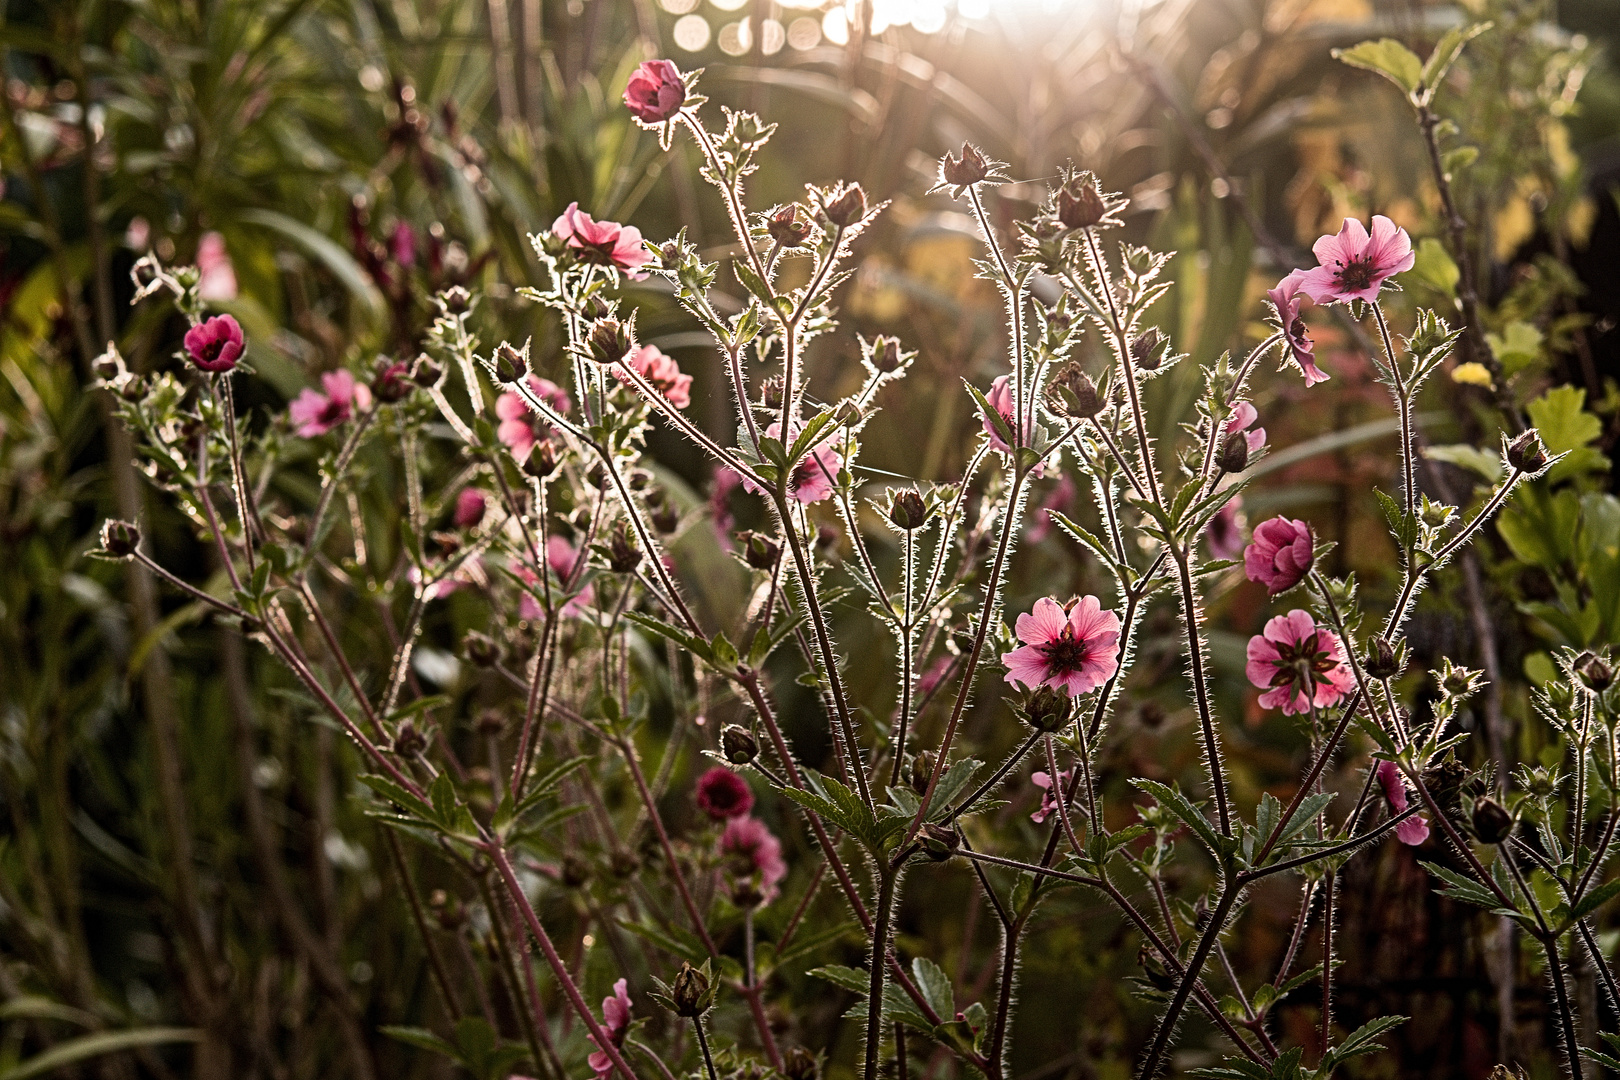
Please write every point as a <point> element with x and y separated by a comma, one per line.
<point>1474,374</point>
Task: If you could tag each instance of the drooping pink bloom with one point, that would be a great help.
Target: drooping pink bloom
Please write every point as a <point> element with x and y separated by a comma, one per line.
<point>1242,418</point>
<point>725,482</point>
<point>1415,829</point>
<point>656,92</point>
<point>1280,555</point>
<point>662,372</point>
<point>723,794</point>
<point>1223,536</point>
<point>216,277</point>
<point>1073,650</point>
<point>615,1022</point>
<point>813,477</point>
<point>1000,397</point>
<point>1298,664</point>
<point>562,558</point>
<point>1049,803</point>
<point>314,413</point>
<point>1354,265</point>
<point>605,243</point>
<point>1285,298</point>
<point>215,344</point>
<point>758,852</point>
<point>402,244</point>
<point>470,504</point>
<point>1059,499</point>
<point>520,427</point>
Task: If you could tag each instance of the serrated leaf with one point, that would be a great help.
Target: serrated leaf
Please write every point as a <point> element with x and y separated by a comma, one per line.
<point>1308,808</point>
<point>1461,888</point>
<point>849,978</point>
<point>935,986</point>
<point>1178,804</point>
<point>1388,58</point>
<point>1401,526</point>
<point>690,642</point>
<point>1594,900</point>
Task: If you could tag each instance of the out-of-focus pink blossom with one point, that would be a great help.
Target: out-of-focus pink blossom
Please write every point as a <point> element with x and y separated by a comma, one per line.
<point>1072,650</point>
<point>215,344</point>
<point>216,276</point>
<point>562,557</point>
<point>1223,536</point>
<point>723,794</point>
<point>725,482</point>
<point>470,504</point>
<point>605,243</point>
<point>1286,299</point>
<point>1049,803</point>
<point>1355,265</point>
<point>615,1022</point>
<point>759,852</point>
<point>813,477</point>
<point>1280,554</point>
<point>1059,498</point>
<point>138,234</point>
<point>402,244</point>
<point>656,92</point>
<point>1415,829</point>
<point>520,427</point>
<point>662,372</point>
<point>314,413</point>
<point>1298,664</point>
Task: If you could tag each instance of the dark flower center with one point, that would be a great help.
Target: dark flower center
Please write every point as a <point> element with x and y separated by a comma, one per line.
<point>334,411</point>
<point>1356,275</point>
<point>1304,661</point>
<point>211,351</point>
<point>1066,653</point>
<point>1299,335</point>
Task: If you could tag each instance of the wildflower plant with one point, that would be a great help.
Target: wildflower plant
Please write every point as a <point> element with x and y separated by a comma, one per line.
<point>526,479</point>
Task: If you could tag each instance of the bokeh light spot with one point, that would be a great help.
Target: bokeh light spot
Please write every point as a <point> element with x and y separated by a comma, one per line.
<point>678,7</point>
<point>804,33</point>
<point>692,32</point>
<point>736,38</point>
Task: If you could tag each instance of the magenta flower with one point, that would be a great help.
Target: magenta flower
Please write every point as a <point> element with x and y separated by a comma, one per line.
<point>1285,298</point>
<point>725,482</point>
<point>1059,499</point>
<point>1049,803</point>
<point>656,92</point>
<point>1243,417</point>
<point>1280,555</point>
<point>1354,266</point>
<point>562,558</point>
<point>1000,398</point>
<point>1298,664</point>
<point>314,413</point>
<point>723,794</point>
<point>605,243</point>
<point>1223,536</point>
<point>470,506</point>
<point>756,853</point>
<point>662,372</point>
<point>1074,650</point>
<point>216,277</point>
<point>615,1022</point>
<point>521,428</point>
<point>215,344</point>
<point>813,477</point>
<point>402,244</point>
<point>1415,829</point>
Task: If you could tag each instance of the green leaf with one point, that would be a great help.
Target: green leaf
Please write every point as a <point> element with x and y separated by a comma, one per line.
<point>1360,1041</point>
<point>1402,527</point>
<point>396,794</point>
<point>849,978</point>
<point>1309,807</point>
<point>86,1047</point>
<point>935,986</point>
<point>1435,268</point>
<point>1594,900</point>
<point>1483,463</point>
<point>1516,348</point>
<point>1389,58</point>
<point>326,251</point>
<point>1446,52</point>
<point>1461,888</point>
<point>690,642</point>
<point>1565,426</point>
<point>1178,804</point>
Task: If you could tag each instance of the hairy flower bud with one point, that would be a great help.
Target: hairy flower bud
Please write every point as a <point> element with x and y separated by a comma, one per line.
<point>596,308</point>
<point>1048,709</point>
<point>408,740</point>
<point>922,770</point>
<point>390,381</point>
<point>609,341</point>
<point>511,365</point>
<point>847,205</point>
<point>800,1064</point>
<point>455,300</point>
<point>1595,671</point>
<point>1080,203</point>
<point>770,392</point>
<point>788,227</point>
<point>1234,456</point>
<point>1492,823</point>
<point>965,170</point>
<point>759,550</point>
<point>939,842</point>
<point>576,872</point>
<point>1527,453</point>
<point>1145,349</point>
<point>481,649</point>
<point>1382,661</point>
<point>426,372</point>
<point>738,745</point>
<point>886,353</point>
<point>907,510</point>
<point>666,518</point>
<point>542,459</point>
<point>691,992</point>
<point>120,538</point>
<point>623,555</point>
<point>623,863</point>
<point>1077,393</point>
<point>1444,781</point>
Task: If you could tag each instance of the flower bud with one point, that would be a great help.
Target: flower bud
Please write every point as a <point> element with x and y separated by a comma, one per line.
<point>623,555</point>
<point>120,538</point>
<point>510,365</point>
<point>455,300</point>
<point>907,510</point>
<point>787,227</point>
<point>1444,781</point>
<point>408,740</point>
<point>1234,456</point>
<point>1078,393</point>
<point>738,745</point>
<point>1527,453</point>
<point>966,170</point>
<point>691,992</point>
<point>609,341</point>
<point>576,872</point>
<point>800,1064</point>
<point>886,353</point>
<point>426,372</point>
<point>770,392</point>
<point>1145,349</point>
<point>1382,661</point>
<point>666,518</point>
<point>1080,203</point>
<point>623,863</point>
<point>759,550</point>
<point>1048,709</point>
<point>847,206</point>
<point>596,308</point>
<point>1492,823</point>
<point>490,722</point>
<point>390,381</point>
<point>939,842</point>
<point>1595,671</point>
<point>481,649</point>
<point>1154,971</point>
<point>670,255</point>
<point>542,459</point>
<point>108,366</point>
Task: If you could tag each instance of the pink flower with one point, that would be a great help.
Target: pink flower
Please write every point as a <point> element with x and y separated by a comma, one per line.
<point>656,92</point>
<point>1354,266</point>
<point>813,477</point>
<point>1280,555</point>
<point>1057,499</point>
<point>1049,801</point>
<point>315,413</point>
<point>757,854</point>
<point>662,372</point>
<point>723,794</point>
<point>215,344</point>
<point>402,244</point>
<point>1285,298</point>
<point>1223,536</point>
<point>521,428</point>
<point>725,482</point>
<point>1073,650</point>
<point>1415,829</point>
<point>1242,417</point>
<point>562,558</point>
<point>615,1022</point>
<point>1298,664</point>
<point>605,243</point>
<point>1000,398</point>
<point>216,276</point>
<point>930,679</point>
<point>470,506</point>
